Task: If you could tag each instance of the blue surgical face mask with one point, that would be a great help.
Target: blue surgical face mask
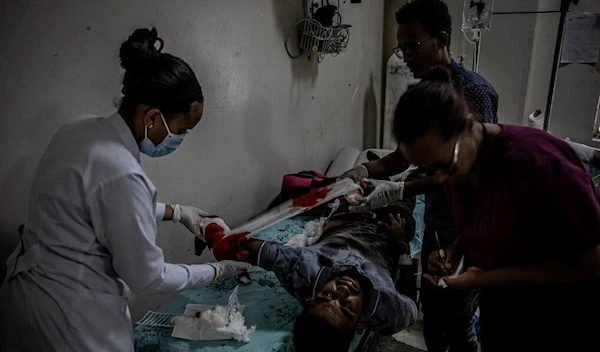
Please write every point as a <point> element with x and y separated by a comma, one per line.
<point>167,146</point>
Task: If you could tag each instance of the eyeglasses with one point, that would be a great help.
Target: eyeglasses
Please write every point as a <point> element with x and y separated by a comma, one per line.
<point>409,48</point>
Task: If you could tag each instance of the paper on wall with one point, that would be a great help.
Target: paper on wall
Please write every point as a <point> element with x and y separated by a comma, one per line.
<point>581,40</point>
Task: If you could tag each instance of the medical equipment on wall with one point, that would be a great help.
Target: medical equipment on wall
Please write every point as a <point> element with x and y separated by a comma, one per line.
<point>321,32</point>
<point>477,16</point>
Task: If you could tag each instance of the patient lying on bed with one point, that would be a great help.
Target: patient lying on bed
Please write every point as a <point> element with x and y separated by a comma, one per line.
<point>344,280</point>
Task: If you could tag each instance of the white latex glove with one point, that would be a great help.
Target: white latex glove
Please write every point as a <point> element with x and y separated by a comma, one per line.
<point>190,217</point>
<point>357,174</point>
<point>384,193</point>
<point>229,268</point>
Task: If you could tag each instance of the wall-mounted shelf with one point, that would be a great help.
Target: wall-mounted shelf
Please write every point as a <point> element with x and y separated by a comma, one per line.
<point>321,32</point>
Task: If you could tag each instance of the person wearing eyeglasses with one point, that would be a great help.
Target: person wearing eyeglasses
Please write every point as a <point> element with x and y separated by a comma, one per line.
<point>424,32</point>
<point>528,217</point>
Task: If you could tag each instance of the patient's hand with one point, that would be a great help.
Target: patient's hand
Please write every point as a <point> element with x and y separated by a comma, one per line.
<point>223,245</point>
<point>396,228</point>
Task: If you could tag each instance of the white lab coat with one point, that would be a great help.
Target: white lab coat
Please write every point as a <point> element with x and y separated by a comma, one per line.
<point>88,240</point>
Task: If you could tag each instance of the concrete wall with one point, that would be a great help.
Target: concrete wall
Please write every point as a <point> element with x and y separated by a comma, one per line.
<point>265,114</point>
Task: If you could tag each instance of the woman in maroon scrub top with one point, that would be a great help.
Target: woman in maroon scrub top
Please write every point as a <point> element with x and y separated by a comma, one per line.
<point>528,217</point>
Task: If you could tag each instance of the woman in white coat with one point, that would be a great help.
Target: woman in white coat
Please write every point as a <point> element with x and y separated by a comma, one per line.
<point>91,229</point>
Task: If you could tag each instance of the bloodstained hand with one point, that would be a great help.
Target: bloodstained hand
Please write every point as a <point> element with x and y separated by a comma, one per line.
<point>231,247</point>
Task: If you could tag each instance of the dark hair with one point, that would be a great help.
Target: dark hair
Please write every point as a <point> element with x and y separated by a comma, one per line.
<point>315,334</point>
<point>433,14</point>
<point>156,79</point>
<point>431,103</point>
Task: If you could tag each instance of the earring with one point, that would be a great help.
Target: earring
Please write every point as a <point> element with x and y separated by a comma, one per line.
<point>150,126</point>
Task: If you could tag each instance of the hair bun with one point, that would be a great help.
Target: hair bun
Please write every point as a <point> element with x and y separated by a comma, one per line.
<point>139,50</point>
<point>438,74</point>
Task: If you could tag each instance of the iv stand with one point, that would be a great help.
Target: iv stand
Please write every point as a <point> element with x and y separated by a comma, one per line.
<point>564,8</point>
<point>477,51</point>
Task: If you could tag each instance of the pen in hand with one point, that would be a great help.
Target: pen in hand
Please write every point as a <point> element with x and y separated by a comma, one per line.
<point>441,251</point>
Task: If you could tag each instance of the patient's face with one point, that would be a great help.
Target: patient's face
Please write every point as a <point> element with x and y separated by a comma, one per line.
<point>340,302</point>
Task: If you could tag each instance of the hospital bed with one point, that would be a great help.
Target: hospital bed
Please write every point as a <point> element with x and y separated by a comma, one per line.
<point>267,304</point>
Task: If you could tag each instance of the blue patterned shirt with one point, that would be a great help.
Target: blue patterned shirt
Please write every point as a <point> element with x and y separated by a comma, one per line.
<point>479,93</point>
<point>483,102</point>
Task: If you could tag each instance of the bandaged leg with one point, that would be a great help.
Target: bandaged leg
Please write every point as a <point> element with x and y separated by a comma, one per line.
<point>222,243</point>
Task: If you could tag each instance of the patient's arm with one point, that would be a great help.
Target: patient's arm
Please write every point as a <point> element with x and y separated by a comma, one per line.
<point>253,249</point>
<point>295,268</point>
